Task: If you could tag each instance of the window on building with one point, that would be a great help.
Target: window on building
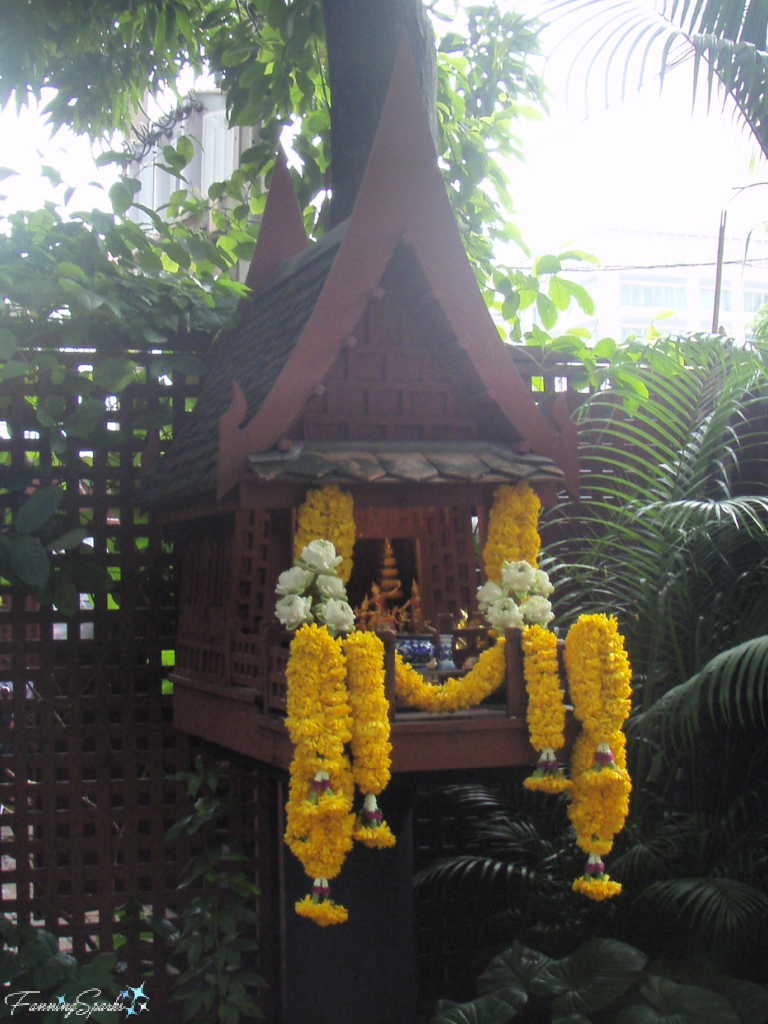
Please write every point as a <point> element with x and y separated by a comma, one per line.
<point>656,295</point>
<point>707,299</point>
<point>754,299</point>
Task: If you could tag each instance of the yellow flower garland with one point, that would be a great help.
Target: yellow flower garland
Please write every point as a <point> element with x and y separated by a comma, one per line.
<point>371,747</point>
<point>599,680</point>
<point>319,818</point>
<point>327,514</point>
<point>512,529</point>
<point>453,694</point>
<point>546,712</point>
<point>599,676</point>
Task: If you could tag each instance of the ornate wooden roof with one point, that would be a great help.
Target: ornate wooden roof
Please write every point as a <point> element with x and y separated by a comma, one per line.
<point>430,462</point>
<point>307,306</point>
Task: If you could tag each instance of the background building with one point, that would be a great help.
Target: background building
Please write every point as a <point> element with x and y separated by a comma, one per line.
<point>667,280</point>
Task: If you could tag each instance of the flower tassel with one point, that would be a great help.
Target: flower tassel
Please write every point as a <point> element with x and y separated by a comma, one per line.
<point>319,907</point>
<point>370,827</point>
<point>595,883</point>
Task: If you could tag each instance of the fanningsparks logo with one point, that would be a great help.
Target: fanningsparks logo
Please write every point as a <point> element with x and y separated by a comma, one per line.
<point>130,1001</point>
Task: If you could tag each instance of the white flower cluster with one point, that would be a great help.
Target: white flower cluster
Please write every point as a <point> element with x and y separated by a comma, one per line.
<point>311,591</point>
<point>521,599</point>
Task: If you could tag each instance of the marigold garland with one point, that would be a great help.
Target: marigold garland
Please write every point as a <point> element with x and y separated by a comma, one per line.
<point>322,912</point>
<point>513,534</point>
<point>546,712</point>
<point>319,818</point>
<point>599,679</point>
<point>327,514</point>
<point>599,676</point>
<point>371,747</point>
<point>454,694</point>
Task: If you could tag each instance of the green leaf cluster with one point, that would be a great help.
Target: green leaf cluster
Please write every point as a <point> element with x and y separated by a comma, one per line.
<point>602,980</point>
<point>623,48</point>
<point>30,961</point>
<point>215,944</point>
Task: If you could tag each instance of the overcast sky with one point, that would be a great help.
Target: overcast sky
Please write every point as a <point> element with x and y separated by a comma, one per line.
<point>650,161</point>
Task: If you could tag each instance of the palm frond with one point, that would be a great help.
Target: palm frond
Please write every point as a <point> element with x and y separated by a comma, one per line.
<point>623,42</point>
<point>720,910</point>
<point>731,690</point>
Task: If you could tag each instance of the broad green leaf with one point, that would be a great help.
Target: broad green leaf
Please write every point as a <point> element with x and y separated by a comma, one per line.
<point>114,374</point>
<point>8,343</point>
<point>29,561</point>
<point>69,540</point>
<point>519,967</point>
<point>121,197</point>
<point>562,290</point>
<point>185,149</point>
<point>65,596</point>
<point>604,349</point>
<point>483,1010</point>
<point>546,310</point>
<point>671,1003</point>
<point>38,509</point>
<point>594,976</point>
<point>546,265</point>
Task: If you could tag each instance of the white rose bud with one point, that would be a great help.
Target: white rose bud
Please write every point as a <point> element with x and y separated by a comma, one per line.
<point>331,586</point>
<point>537,610</point>
<point>541,584</point>
<point>320,556</point>
<point>293,581</point>
<point>518,576</point>
<point>488,593</point>
<point>293,611</point>
<point>337,616</point>
<point>505,614</point>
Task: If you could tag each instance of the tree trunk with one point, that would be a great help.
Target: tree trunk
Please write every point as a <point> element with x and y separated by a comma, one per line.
<point>363,37</point>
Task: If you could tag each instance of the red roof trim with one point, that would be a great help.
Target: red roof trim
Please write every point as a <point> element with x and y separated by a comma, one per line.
<point>402,196</point>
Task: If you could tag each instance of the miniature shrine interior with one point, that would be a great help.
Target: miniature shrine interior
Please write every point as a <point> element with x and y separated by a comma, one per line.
<point>416,571</point>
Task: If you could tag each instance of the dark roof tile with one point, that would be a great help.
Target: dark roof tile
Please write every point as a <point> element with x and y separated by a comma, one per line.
<point>253,353</point>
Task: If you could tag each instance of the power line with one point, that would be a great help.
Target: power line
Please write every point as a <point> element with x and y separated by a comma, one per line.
<point>758,261</point>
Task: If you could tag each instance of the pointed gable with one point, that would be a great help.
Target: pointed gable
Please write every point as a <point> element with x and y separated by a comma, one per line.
<point>270,378</point>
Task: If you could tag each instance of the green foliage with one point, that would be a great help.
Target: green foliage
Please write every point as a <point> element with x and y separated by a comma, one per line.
<point>603,981</point>
<point>270,58</point>
<point>726,40</point>
<point>30,961</point>
<point>215,944</point>
<point>672,535</point>
<point>84,286</point>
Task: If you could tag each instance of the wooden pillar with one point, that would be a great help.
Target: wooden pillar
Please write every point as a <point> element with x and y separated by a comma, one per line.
<point>363,971</point>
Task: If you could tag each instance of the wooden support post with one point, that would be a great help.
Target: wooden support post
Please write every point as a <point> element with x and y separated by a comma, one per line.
<point>363,971</point>
<point>517,699</point>
<point>387,637</point>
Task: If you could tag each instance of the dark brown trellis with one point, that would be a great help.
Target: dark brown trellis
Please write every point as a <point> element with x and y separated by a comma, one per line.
<point>87,742</point>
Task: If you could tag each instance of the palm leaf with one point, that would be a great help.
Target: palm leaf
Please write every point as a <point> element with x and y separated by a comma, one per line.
<point>725,39</point>
<point>722,911</point>
<point>731,690</point>
<point>672,529</point>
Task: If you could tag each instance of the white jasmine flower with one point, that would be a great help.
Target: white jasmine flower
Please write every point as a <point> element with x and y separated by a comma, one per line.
<point>331,586</point>
<point>293,610</point>
<point>504,614</point>
<point>293,581</point>
<point>488,593</point>
<point>541,584</point>
<point>518,576</point>
<point>337,616</point>
<point>537,610</point>
<point>320,556</point>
